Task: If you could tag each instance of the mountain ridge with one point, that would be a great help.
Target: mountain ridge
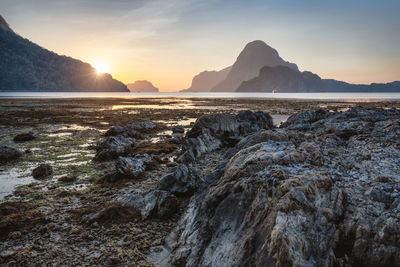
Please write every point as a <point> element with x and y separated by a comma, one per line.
<point>26,66</point>
<point>251,59</point>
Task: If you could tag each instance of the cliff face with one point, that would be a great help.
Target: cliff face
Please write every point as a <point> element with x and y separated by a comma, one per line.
<point>204,81</point>
<point>142,86</point>
<point>25,66</point>
<point>254,56</point>
<point>283,79</point>
<point>286,80</point>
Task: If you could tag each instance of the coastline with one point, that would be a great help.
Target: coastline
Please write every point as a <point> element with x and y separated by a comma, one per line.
<point>67,131</point>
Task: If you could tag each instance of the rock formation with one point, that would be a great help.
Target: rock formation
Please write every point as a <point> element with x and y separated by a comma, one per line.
<point>142,86</point>
<point>25,66</point>
<point>323,190</point>
<point>282,79</point>
<point>211,132</point>
<point>254,56</point>
<point>206,80</point>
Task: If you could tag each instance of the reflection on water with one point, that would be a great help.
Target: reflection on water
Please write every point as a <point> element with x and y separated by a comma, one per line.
<point>11,178</point>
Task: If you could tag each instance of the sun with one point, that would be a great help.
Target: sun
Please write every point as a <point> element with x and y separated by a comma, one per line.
<point>101,67</point>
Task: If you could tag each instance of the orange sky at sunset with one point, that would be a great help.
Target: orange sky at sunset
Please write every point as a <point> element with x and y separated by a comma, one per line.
<point>168,42</point>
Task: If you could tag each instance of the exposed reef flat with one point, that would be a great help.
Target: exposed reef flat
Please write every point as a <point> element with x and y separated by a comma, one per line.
<point>322,189</point>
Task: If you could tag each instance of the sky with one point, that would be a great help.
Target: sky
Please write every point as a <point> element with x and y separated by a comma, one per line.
<point>169,41</point>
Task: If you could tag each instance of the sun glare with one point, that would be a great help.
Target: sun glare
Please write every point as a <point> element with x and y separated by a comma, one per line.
<point>101,67</point>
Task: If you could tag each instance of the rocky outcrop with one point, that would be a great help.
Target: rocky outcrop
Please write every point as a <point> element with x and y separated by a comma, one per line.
<point>113,147</point>
<point>142,86</point>
<point>211,132</point>
<point>133,130</point>
<point>128,167</point>
<point>9,154</point>
<point>254,56</point>
<point>206,80</point>
<point>181,180</point>
<point>42,171</point>
<point>302,196</point>
<point>152,203</point>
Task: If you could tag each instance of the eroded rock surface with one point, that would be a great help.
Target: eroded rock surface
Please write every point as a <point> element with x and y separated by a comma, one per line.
<point>113,147</point>
<point>128,167</point>
<point>211,132</point>
<point>181,180</point>
<point>152,203</point>
<point>323,191</point>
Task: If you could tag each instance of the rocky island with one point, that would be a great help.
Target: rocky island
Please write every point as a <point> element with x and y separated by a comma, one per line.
<point>282,183</point>
<point>142,86</point>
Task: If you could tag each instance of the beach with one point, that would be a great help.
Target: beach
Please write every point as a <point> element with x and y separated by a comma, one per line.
<point>54,218</point>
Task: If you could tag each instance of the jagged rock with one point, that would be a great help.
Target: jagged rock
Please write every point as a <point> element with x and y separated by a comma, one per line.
<point>42,171</point>
<point>128,167</point>
<point>178,129</point>
<point>301,196</point>
<point>181,180</point>
<point>211,132</point>
<point>133,130</point>
<point>151,204</point>
<point>8,154</point>
<point>113,147</point>
<point>303,119</point>
<point>23,137</point>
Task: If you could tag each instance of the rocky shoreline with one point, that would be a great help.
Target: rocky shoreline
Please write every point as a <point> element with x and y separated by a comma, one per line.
<point>129,189</point>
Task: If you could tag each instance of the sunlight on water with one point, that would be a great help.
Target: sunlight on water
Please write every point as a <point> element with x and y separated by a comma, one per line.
<point>317,96</point>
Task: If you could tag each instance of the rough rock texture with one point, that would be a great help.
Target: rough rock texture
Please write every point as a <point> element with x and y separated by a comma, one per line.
<point>151,204</point>
<point>8,154</point>
<point>324,195</point>
<point>42,171</point>
<point>128,167</point>
<point>113,147</point>
<point>211,132</point>
<point>23,137</point>
<point>133,130</point>
<point>181,180</point>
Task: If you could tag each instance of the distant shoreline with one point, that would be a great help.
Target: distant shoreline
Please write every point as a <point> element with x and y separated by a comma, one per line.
<point>340,97</point>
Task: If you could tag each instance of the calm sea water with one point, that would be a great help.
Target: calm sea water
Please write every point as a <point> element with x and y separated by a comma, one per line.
<point>302,96</point>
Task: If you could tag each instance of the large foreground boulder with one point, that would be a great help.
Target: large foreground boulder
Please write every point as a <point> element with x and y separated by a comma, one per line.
<point>181,180</point>
<point>8,154</point>
<point>305,197</point>
<point>113,147</point>
<point>152,203</point>
<point>211,132</point>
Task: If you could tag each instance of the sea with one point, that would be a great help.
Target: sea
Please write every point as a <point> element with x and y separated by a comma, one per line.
<point>362,97</point>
